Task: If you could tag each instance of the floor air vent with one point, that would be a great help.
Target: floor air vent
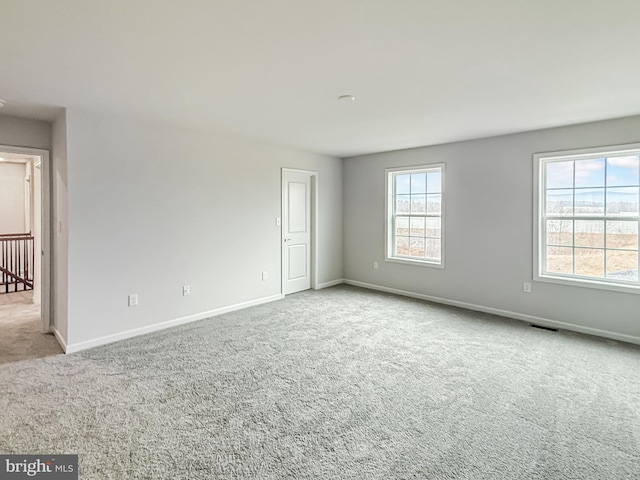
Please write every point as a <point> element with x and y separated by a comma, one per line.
<point>542,327</point>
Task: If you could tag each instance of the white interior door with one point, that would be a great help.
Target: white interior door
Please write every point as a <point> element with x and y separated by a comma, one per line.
<point>296,231</point>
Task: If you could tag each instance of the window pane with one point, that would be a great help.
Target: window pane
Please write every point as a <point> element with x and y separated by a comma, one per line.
<point>622,235</point>
<point>589,220</point>
<point>589,262</point>
<point>415,214</point>
<point>434,182</point>
<point>589,233</point>
<point>622,201</point>
<point>417,227</point>
<point>417,247</point>
<point>559,202</point>
<point>560,260</point>
<point>433,248</point>
<point>590,173</point>
<point>559,174</point>
<point>434,228</point>
<point>590,201</point>
<point>402,203</point>
<point>402,245</point>
<point>418,204</point>
<point>418,183</point>
<point>402,226</point>
<point>560,232</point>
<point>622,265</point>
<point>403,183</point>
<point>623,171</point>
<point>434,204</point>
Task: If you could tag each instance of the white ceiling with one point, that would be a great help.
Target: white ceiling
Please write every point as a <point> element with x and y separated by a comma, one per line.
<point>423,71</point>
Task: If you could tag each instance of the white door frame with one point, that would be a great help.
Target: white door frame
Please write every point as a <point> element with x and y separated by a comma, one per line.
<point>45,229</point>
<point>314,226</point>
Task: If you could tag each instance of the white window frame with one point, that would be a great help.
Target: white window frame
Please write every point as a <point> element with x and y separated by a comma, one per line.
<point>390,215</point>
<point>539,217</point>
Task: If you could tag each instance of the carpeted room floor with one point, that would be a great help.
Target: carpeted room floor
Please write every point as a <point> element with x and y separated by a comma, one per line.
<point>341,383</point>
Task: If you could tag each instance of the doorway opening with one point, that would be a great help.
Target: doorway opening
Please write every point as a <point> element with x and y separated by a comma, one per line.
<point>25,282</point>
<point>299,230</point>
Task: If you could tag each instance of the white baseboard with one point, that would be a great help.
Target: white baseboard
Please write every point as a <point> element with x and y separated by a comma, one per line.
<point>503,313</point>
<point>59,338</point>
<point>332,283</point>
<point>76,347</point>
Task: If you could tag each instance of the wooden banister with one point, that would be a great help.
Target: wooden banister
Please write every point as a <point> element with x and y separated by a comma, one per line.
<point>16,261</point>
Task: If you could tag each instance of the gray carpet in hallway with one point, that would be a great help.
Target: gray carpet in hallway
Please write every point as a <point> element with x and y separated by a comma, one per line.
<point>21,335</point>
<point>341,383</point>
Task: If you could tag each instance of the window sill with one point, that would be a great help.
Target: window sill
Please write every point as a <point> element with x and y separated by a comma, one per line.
<point>410,261</point>
<point>587,283</point>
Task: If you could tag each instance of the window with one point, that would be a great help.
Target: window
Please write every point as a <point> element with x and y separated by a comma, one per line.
<point>587,221</point>
<point>415,215</point>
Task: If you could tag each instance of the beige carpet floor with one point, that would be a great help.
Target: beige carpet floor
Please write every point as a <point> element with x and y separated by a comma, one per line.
<point>21,336</point>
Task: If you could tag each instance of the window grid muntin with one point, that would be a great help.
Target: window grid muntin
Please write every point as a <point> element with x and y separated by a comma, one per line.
<point>409,236</point>
<point>392,176</point>
<point>605,218</point>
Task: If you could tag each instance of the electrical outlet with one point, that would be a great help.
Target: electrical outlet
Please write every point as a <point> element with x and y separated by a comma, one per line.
<point>265,275</point>
<point>133,300</point>
<point>186,290</point>
<point>526,287</point>
<point>375,265</point>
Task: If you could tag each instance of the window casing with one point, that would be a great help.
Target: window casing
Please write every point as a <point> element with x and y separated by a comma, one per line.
<point>587,217</point>
<point>415,215</point>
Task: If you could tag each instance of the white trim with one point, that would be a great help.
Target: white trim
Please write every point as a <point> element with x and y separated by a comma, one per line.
<point>587,282</point>
<point>59,338</point>
<point>313,182</point>
<point>592,152</point>
<point>502,313</point>
<point>46,270</point>
<point>314,229</point>
<point>411,261</point>
<point>537,219</point>
<point>332,283</point>
<point>76,347</point>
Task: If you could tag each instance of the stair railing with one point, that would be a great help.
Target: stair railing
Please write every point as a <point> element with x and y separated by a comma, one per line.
<point>16,262</point>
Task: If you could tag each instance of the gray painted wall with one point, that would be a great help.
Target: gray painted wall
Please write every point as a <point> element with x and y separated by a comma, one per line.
<point>21,132</point>
<point>489,227</point>
<point>153,207</point>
